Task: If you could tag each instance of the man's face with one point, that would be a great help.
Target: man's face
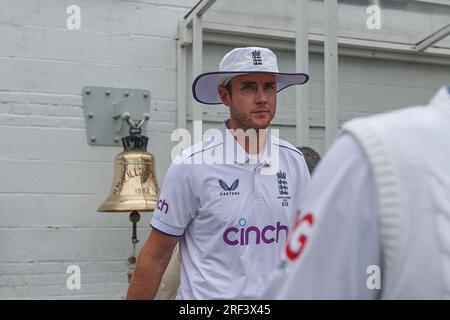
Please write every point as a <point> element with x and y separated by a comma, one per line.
<point>252,101</point>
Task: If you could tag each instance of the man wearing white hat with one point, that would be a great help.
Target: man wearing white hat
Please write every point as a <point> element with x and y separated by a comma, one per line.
<point>231,218</point>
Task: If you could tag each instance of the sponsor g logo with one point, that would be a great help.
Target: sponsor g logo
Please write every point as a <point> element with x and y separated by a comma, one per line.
<point>299,237</point>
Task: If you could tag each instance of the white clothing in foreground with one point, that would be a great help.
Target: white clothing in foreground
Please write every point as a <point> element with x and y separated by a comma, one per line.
<point>383,187</point>
<point>342,200</point>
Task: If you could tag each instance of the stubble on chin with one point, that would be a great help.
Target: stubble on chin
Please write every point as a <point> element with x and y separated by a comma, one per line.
<point>246,122</point>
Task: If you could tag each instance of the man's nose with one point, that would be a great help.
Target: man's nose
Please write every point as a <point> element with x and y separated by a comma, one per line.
<point>261,95</point>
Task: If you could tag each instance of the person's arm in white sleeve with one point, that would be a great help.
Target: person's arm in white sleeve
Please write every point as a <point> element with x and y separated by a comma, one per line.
<point>335,239</point>
<point>176,207</point>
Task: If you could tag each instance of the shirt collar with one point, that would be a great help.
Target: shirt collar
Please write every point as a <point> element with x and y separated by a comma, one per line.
<point>235,153</point>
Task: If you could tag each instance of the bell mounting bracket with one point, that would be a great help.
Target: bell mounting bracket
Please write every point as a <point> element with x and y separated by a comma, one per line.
<point>112,113</point>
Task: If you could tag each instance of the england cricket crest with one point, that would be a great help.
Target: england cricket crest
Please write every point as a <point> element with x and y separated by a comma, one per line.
<point>283,188</point>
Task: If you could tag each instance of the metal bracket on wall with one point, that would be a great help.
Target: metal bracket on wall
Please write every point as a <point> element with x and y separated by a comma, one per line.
<point>103,107</point>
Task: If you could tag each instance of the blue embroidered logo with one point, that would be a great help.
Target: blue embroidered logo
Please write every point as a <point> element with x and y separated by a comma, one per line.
<point>229,189</point>
<point>257,60</point>
<point>283,188</point>
<point>282,183</point>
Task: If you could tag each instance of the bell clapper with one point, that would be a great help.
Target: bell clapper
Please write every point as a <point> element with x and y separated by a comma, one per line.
<point>134,218</point>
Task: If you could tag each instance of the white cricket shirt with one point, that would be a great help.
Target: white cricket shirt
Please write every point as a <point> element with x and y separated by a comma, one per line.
<point>233,217</point>
<point>338,230</point>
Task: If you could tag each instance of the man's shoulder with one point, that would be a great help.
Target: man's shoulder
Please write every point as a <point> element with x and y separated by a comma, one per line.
<point>184,164</point>
<point>197,148</point>
<point>287,148</point>
<point>392,119</point>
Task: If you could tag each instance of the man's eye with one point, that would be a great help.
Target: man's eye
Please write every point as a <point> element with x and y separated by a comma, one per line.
<point>248,88</point>
<point>270,86</point>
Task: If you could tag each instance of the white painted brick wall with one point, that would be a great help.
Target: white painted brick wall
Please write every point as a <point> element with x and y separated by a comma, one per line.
<point>52,180</point>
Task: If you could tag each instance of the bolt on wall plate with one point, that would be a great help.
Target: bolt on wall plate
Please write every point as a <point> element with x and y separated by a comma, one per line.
<point>103,107</point>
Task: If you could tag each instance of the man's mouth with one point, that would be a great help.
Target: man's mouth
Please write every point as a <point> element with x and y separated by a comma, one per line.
<point>261,112</point>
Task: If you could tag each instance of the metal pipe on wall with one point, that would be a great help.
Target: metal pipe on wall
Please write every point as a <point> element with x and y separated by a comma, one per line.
<point>301,63</point>
<point>331,72</point>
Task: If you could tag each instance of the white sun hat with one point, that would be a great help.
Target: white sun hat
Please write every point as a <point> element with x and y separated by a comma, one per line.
<point>242,61</point>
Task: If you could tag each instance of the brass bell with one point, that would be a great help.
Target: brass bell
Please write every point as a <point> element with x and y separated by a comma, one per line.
<point>134,187</point>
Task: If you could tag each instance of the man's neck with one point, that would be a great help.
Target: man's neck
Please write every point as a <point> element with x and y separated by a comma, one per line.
<point>253,142</point>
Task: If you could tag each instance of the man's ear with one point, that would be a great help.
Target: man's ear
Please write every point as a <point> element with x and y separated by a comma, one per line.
<point>224,95</point>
